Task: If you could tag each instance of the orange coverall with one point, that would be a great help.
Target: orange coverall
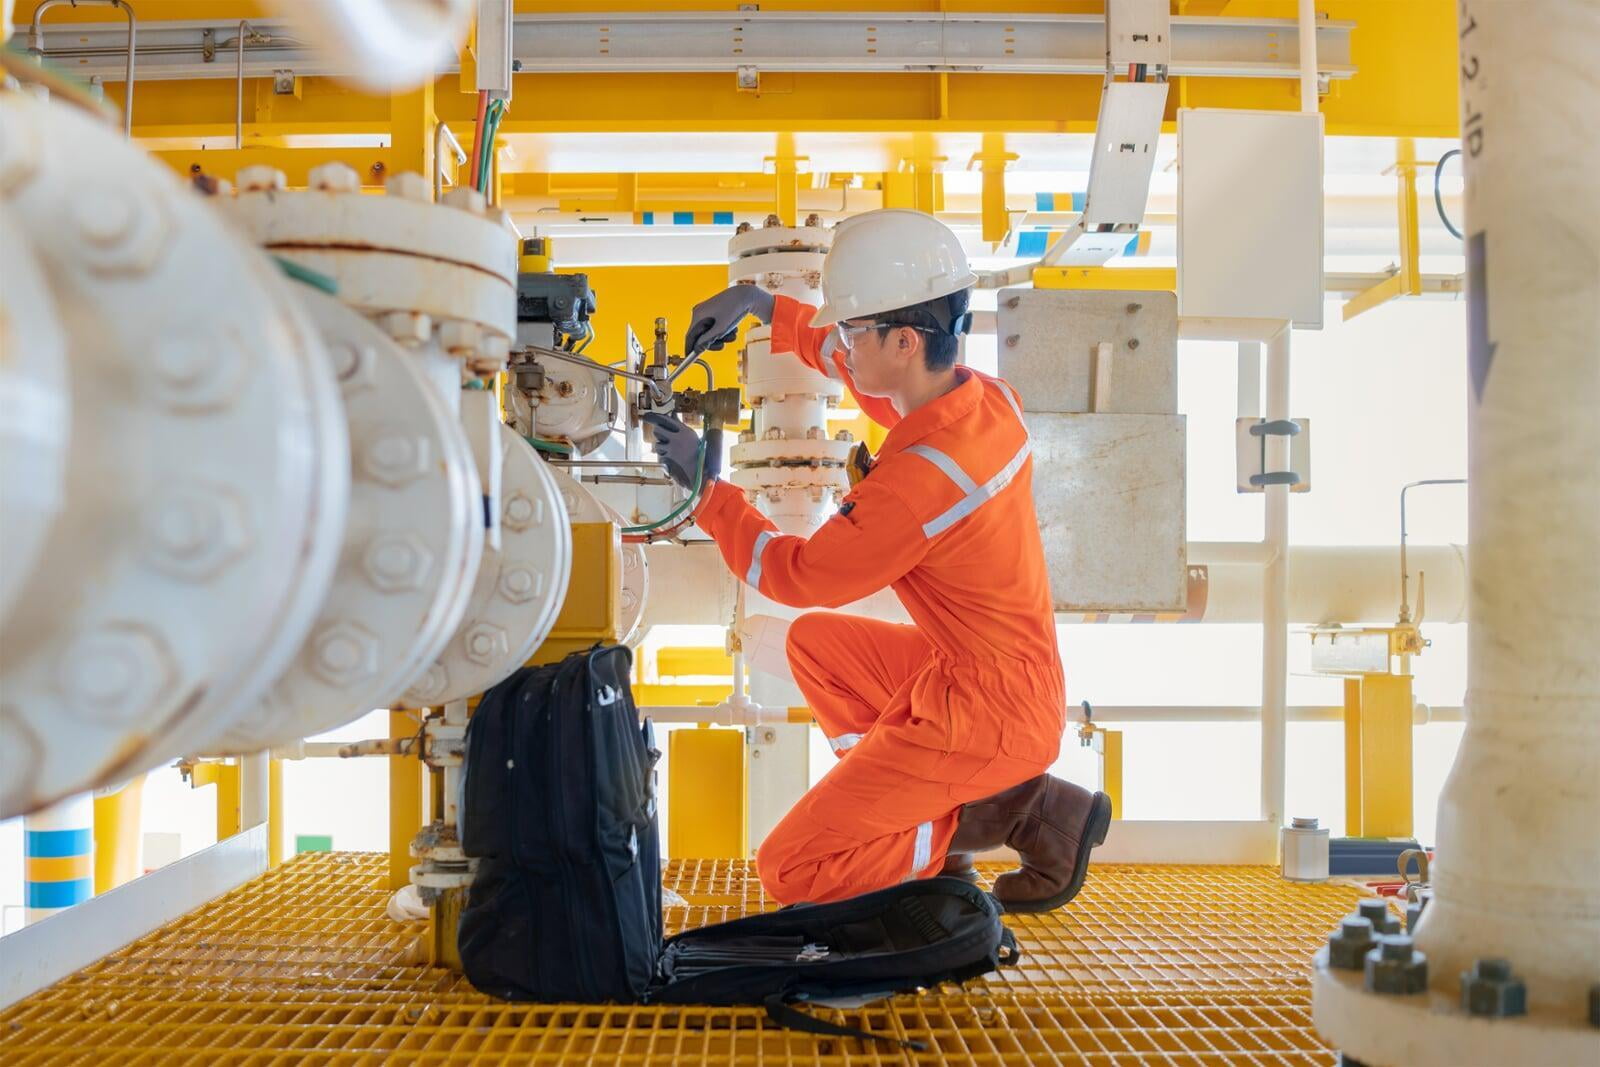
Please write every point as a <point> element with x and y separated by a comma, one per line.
<point>965,703</point>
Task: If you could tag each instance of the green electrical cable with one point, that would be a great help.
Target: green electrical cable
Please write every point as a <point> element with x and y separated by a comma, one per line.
<point>314,278</point>
<point>694,494</point>
<point>555,448</point>
<point>491,122</point>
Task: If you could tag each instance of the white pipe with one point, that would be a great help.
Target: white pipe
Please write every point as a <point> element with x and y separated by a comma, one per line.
<point>1275,592</point>
<point>36,42</point>
<point>254,789</point>
<point>1249,379</point>
<point>1517,873</point>
<point>238,96</point>
<point>1308,56</point>
<point>724,714</point>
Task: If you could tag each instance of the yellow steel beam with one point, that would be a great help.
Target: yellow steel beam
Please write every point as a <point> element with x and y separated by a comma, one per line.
<point>714,662</point>
<point>1111,757</point>
<point>274,813</point>
<point>705,696</point>
<point>993,161</point>
<point>411,123</point>
<point>225,776</point>
<point>1118,278</point>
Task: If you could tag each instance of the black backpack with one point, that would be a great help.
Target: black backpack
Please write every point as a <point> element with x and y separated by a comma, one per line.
<point>558,807</point>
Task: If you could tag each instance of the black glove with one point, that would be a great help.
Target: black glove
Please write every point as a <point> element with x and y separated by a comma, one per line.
<point>678,448</point>
<point>715,322</point>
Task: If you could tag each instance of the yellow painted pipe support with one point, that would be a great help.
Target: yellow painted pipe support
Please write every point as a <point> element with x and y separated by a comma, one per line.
<point>710,803</point>
<point>1378,744</point>
<point>274,813</point>
<point>1111,756</point>
<point>405,801</point>
<point>225,776</point>
<point>117,835</point>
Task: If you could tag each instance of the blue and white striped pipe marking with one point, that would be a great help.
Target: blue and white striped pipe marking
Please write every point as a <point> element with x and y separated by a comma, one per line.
<point>58,857</point>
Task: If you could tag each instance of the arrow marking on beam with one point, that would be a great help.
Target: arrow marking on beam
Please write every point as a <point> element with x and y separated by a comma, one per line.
<point>1480,350</point>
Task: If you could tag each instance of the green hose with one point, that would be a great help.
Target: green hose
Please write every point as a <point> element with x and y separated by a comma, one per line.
<point>314,278</point>
<point>694,495</point>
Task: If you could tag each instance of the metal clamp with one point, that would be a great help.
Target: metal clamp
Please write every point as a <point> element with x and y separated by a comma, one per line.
<point>1275,428</point>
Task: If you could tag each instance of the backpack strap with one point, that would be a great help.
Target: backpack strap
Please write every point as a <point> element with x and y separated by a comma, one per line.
<point>782,1011</point>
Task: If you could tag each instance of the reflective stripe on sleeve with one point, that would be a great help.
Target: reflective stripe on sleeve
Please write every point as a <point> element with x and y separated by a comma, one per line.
<point>844,742</point>
<point>752,577</point>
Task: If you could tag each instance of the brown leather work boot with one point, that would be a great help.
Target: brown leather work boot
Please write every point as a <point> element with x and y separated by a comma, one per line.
<point>959,865</point>
<point>1052,824</point>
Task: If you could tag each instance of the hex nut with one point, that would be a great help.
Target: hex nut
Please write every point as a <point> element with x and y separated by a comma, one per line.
<point>520,512</point>
<point>408,185</point>
<point>396,458</point>
<point>396,562</point>
<point>260,179</point>
<point>114,673</point>
<point>334,178</point>
<point>406,327</point>
<point>200,369</point>
<point>343,653</point>
<point>485,644</point>
<point>193,531</point>
<point>1376,911</point>
<point>465,198</point>
<point>354,365</point>
<point>520,584</point>
<point>1395,967</point>
<point>1492,991</point>
<point>119,231</point>
<point>1349,944</point>
<point>1414,911</point>
<point>459,338</point>
<point>430,685</point>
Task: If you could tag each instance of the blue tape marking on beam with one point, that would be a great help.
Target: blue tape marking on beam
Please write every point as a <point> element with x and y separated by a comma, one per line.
<point>649,218</point>
<point>1132,247</point>
<point>1044,201</point>
<point>722,218</point>
<point>54,844</point>
<point>60,894</point>
<point>1078,200</point>
<point>1032,242</point>
<point>683,218</point>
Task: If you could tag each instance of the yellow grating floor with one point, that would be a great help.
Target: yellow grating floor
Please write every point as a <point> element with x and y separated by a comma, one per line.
<point>1150,965</point>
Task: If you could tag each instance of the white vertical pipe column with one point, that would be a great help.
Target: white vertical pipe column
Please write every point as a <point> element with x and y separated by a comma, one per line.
<point>1308,56</point>
<point>255,789</point>
<point>1517,872</point>
<point>1249,379</point>
<point>1275,592</point>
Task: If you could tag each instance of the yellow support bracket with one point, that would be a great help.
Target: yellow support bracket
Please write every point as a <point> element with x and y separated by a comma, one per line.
<point>225,776</point>
<point>703,662</point>
<point>1407,278</point>
<point>706,779</point>
<point>992,161</point>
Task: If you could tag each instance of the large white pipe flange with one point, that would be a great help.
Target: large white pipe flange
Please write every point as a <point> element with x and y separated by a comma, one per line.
<point>35,411</point>
<point>445,271</point>
<point>520,587</point>
<point>206,483</point>
<point>413,520</point>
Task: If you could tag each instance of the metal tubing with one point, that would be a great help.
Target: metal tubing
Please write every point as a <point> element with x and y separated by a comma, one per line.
<point>1405,574</point>
<point>238,96</point>
<point>441,133</point>
<point>36,42</point>
<point>1275,592</point>
<point>541,352</point>
<point>1249,379</point>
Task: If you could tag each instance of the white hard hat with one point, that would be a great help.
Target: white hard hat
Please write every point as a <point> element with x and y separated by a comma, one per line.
<point>888,259</point>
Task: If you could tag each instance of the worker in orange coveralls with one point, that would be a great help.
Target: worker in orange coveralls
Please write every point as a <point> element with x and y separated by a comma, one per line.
<point>944,727</point>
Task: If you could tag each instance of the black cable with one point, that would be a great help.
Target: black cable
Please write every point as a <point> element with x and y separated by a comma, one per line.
<point>1438,199</point>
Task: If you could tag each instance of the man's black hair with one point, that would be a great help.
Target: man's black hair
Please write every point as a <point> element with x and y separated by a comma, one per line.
<point>941,321</point>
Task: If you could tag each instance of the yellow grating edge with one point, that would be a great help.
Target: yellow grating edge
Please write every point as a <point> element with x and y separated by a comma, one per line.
<point>1150,965</point>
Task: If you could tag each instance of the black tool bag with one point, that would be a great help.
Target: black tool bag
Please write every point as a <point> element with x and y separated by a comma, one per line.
<point>842,954</point>
<point>558,806</point>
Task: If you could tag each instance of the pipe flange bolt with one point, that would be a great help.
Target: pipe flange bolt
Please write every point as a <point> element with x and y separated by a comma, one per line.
<point>1376,911</point>
<point>1396,967</point>
<point>1349,944</point>
<point>1491,990</point>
